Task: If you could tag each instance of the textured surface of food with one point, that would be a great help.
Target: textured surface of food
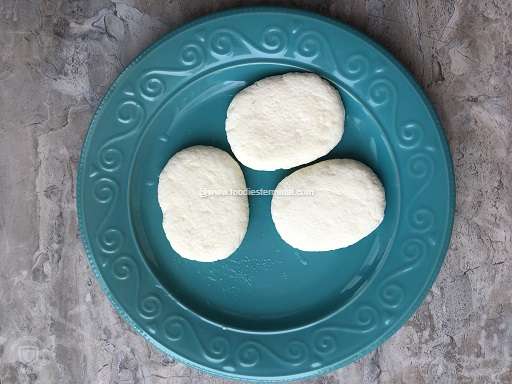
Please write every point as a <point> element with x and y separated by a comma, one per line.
<point>202,220</point>
<point>285,121</point>
<point>328,205</point>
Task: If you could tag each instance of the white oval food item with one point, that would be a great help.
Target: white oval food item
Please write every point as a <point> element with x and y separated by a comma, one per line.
<point>201,221</point>
<point>285,121</point>
<point>328,205</point>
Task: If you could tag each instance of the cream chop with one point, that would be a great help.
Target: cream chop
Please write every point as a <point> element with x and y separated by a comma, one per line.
<point>285,121</point>
<point>200,220</point>
<point>344,202</point>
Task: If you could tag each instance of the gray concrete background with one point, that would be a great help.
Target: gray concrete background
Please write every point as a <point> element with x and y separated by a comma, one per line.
<point>57,58</point>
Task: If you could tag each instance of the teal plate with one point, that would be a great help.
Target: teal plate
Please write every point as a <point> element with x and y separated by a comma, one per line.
<point>269,312</point>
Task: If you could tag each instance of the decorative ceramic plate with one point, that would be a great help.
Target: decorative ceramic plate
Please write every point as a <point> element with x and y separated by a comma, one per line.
<point>269,312</point>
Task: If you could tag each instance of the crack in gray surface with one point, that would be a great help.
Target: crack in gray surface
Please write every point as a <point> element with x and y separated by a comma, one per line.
<point>58,59</point>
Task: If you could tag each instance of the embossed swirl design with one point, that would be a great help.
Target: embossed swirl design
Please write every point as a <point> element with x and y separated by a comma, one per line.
<point>250,354</point>
<point>356,68</point>
<point>311,44</point>
<point>277,42</point>
<point>130,116</point>
<point>392,293</point>
<point>274,40</point>
<point>228,42</point>
<point>152,83</point>
<point>382,93</point>
<point>124,268</point>
<point>223,43</point>
<point>410,135</point>
<point>178,329</point>
<point>105,190</point>
<point>419,166</point>
<point>108,239</point>
<point>325,340</point>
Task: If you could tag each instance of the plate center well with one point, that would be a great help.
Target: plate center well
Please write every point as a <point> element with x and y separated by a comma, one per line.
<point>266,285</point>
